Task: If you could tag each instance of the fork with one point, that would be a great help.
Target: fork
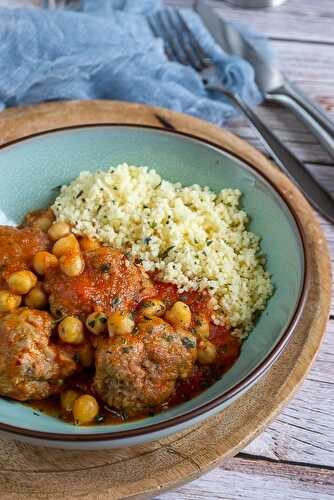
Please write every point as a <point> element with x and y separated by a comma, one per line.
<point>182,46</point>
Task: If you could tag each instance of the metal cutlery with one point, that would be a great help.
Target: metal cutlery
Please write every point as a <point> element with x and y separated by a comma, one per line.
<point>182,46</point>
<point>271,81</point>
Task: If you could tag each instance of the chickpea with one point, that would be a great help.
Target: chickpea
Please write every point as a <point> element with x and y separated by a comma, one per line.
<point>43,261</point>
<point>97,323</point>
<point>43,222</point>
<point>85,409</point>
<point>8,301</point>
<point>206,352</point>
<point>36,298</point>
<point>71,264</point>
<point>67,244</point>
<point>120,323</point>
<point>59,230</point>
<point>88,244</point>
<point>67,399</point>
<point>179,315</point>
<point>71,330</point>
<point>202,327</point>
<point>153,307</point>
<point>21,282</point>
<point>86,355</point>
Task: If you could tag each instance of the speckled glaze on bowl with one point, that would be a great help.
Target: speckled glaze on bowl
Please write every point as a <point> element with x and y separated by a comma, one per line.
<point>31,169</point>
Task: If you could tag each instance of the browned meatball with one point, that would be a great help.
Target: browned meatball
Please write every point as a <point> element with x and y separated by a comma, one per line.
<point>139,372</point>
<point>109,282</point>
<point>17,248</point>
<point>30,366</point>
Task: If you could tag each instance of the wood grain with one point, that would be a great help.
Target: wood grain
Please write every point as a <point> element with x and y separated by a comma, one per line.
<point>296,20</point>
<point>166,463</point>
<point>290,446</point>
<point>304,431</point>
<point>253,479</point>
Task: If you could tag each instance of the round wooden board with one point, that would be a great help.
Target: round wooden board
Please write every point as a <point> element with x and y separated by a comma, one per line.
<point>143,471</point>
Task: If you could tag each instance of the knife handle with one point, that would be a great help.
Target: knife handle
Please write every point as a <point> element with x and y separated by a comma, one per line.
<point>317,113</point>
<point>315,193</point>
<point>315,126</point>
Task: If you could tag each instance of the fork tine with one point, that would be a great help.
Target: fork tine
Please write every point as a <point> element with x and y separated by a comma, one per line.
<point>153,27</point>
<point>200,54</point>
<point>166,23</point>
<point>156,32</point>
<point>186,54</point>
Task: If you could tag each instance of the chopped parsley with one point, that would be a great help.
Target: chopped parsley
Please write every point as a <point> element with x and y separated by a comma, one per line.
<point>188,343</point>
<point>105,268</point>
<point>116,301</point>
<point>164,254</point>
<point>135,331</point>
<point>55,322</point>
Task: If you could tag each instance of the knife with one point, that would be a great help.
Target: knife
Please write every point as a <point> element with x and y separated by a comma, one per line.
<point>271,81</point>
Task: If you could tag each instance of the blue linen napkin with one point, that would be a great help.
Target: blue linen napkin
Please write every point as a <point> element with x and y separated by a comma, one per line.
<point>104,49</point>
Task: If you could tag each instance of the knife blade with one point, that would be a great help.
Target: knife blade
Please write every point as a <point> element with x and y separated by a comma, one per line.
<point>316,194</point>
<point>271,81</point>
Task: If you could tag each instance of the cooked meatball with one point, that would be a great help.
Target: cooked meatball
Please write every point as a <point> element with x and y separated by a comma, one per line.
<point>31,367</point>
<point>108,282</point>
<point>17,248</point>
<point>138,372</point>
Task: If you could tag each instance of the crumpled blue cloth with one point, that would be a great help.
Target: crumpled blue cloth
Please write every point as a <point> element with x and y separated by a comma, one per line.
<point>104,49</point>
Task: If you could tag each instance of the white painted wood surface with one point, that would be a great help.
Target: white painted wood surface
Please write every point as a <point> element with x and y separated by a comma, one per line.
<point>294,457</point>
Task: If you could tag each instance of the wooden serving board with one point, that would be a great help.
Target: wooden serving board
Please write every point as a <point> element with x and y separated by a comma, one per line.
<point>143,471</point>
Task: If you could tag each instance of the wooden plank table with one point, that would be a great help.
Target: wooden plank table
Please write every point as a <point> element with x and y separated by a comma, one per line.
<point>294,457</point>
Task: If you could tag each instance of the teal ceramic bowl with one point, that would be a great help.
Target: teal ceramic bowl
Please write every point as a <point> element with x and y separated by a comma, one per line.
<point>33,167</point>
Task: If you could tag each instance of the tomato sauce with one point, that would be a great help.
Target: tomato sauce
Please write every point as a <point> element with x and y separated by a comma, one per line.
<point>16,252</point>
<point>17,248</point>
<point>228,350</point>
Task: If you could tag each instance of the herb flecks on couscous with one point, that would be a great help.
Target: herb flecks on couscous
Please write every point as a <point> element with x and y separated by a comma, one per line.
<point>189,236</point>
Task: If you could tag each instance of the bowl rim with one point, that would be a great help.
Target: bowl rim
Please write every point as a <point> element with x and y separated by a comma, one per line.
<point>237,388</point>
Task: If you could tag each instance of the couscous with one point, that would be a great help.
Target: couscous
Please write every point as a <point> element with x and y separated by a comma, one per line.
<point>128,296</point>
<point>188,236</point>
